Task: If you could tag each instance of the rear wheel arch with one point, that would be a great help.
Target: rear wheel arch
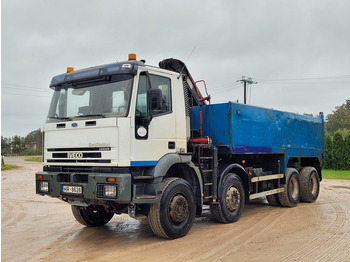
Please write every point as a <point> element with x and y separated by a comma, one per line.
<point>301,162</point>
<point>237,169</point>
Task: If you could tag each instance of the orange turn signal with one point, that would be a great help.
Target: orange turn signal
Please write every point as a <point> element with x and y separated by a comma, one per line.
<point>40,177</point>
<point>111,179</point>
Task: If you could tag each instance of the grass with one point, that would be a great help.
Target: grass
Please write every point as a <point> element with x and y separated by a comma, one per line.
<point>34,159</point>
<point>8,167</point>
<point>335,174</point>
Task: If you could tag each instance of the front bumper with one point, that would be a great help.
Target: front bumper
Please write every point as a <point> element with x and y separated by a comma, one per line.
<point>90,186</point>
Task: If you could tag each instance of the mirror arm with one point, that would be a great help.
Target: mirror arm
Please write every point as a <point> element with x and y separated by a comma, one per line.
<point>146,120</point>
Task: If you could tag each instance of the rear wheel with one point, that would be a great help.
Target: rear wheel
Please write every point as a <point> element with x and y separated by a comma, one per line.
<point>273,200</point>
<point>173,216</point>
<point>231,200</point>
<point>290,197</point>
<point>310,184</point>
<point>92,215</point>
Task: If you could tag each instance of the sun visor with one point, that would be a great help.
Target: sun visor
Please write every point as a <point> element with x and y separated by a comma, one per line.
<point>94,73</point>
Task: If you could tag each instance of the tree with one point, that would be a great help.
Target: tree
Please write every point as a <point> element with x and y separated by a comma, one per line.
<point>340,119</point>
<point>5,145</point>
<point>328,154</point>
<point>347,151</point>
<point>33,142</point>
<point>17,144</point>
<point>338,151</point>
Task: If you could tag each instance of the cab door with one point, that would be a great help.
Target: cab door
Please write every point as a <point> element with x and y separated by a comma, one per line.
<point>154,133</point>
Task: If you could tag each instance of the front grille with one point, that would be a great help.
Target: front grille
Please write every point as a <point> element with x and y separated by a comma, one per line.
<point>79,155</point>
<point>85,155</point>
<point>89,169</point>
<point>80,178</point>
<point>73,178</point>
<point>77,161</point>
<point>63,178</point>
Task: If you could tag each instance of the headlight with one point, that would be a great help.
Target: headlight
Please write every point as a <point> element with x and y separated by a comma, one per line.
<point>44,186</point>
<point>110,191</point>
<point>107,190</point>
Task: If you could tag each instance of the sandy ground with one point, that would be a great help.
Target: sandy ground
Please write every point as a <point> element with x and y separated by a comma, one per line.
<point>36,228</point>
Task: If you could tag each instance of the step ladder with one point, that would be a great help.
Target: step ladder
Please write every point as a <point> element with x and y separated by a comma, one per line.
<point>205,157</point>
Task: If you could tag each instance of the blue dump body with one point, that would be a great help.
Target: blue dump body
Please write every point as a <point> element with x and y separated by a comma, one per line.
<point>246,129</point>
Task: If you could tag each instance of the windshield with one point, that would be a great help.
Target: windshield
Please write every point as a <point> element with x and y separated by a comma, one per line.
<point>98,98</point>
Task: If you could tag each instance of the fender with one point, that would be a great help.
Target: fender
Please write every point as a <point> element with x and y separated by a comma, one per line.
<point>167,161</point>
<point>240,171</point>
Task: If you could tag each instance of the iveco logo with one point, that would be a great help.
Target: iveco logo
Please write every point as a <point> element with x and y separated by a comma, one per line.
<point>74,124</point>
<point>75,155</point>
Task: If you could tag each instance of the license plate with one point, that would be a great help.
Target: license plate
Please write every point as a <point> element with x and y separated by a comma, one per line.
<point>72,190</point>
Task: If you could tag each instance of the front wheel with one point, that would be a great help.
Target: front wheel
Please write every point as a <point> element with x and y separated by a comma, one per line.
<point>92,216</point>
<point>231,200</point>
<point>173,216</point>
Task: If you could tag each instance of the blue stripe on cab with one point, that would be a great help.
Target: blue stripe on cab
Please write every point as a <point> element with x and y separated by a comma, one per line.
<point>143,163</point>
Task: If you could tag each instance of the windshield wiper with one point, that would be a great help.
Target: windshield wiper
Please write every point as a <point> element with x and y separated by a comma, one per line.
<point>59,118</point>
<point>91,115</point>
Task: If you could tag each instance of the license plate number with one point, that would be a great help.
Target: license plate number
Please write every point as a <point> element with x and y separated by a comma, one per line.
<point>72,190</point>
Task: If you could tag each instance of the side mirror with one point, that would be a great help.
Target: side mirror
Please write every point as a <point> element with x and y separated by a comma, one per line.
<point>155,99</point>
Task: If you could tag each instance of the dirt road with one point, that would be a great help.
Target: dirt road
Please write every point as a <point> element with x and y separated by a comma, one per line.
<point>36,228</point>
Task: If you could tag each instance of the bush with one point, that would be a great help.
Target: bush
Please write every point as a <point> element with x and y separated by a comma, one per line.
<point>327,163</point>
<point>337,151</point>
<point>347,151</point>
<point>337,155</point>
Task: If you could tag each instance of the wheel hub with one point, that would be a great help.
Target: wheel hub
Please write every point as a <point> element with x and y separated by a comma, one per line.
<point>294,187</point>
<point>313,185</point>
<point>178,209</point>
<point>233,199</point>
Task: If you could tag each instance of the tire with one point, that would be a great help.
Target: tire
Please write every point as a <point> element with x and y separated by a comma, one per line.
<point>91,216</point>
<point>231,200</point>
<point>173,216</point>
<point>290,197</point>
<point>310,184</point>
<point>273,200</point>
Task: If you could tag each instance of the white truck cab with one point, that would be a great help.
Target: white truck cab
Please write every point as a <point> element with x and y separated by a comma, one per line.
<point>105,120</point>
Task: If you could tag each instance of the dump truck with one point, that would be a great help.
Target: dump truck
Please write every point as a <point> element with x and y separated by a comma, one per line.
<point>130,138</point>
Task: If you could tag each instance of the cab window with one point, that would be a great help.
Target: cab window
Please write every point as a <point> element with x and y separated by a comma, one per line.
<point>159,82</point>
<point>162,83</point>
